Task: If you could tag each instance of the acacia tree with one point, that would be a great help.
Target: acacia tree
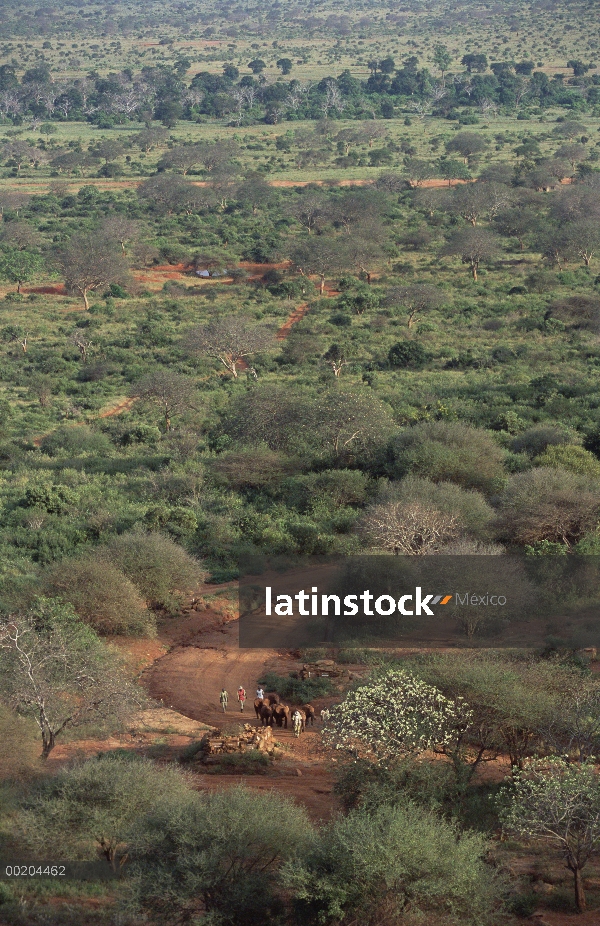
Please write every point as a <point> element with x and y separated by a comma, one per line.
<point>517,222</point>
<point>55,670</point>
<point>182,157</point>
<point>474,200</point>
<point>467,144</point>
<point>214,857</point>
<point>582,239</point>
<point>395,715</point>
<point>230,340</point>
<point>560,803</point>
<point>416,299</point>
<point>321,256</point>
<point>20,153</point>
<point>474,245</point>
<point>171,392</point>
<point>19,266</point>
<point>89,261</point>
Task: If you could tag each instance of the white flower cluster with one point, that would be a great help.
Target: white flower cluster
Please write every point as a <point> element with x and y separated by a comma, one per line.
<point>395,715</point>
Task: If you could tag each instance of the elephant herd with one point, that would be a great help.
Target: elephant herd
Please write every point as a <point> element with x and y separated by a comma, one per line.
<point>270,710</point>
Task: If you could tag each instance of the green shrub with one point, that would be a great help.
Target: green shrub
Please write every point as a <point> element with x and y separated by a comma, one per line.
<point>74,440</point>
<point>295,689</point>
<point>407,355</point>
<point>101,594</point>
<point>160,569</point>
<point>448,451</point>
<point>572,458</point>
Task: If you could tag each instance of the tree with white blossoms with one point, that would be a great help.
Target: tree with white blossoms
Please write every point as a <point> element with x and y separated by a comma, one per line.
<point>396,715</point>
<point>559,802</point>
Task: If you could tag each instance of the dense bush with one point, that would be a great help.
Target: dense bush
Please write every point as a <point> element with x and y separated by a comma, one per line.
<point>448,452</point>
<point>76,440</point>
<point>159,568</point>
<point>101,595</point>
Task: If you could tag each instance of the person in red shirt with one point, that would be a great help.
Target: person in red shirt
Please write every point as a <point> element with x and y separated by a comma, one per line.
<point>241,695</point>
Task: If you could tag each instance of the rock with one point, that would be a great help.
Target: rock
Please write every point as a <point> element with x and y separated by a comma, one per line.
<point>325,662</point>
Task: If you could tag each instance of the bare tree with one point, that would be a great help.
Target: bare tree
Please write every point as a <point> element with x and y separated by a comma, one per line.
<point>171,392</point>
<point>474,245</point>
<point>333,98</point>
<point>230,340</point>
<point>121,229</point>
<point>89,261</point>
<point>55,670</point>
<point>474,200</point>
<point>416,299</point>
<point>82,344</point>
<point>12,202</point>
<point>408,528</point>
<point>582,239</point>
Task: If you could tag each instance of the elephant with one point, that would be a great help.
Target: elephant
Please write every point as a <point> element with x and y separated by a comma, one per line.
<point>281,713</point>
<point>272,698</point>
<point>310,713</point>
<point>266,716</point>
<point>258,703</point>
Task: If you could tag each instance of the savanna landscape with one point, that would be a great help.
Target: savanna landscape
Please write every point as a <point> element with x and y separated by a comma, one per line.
<point>283,281</point>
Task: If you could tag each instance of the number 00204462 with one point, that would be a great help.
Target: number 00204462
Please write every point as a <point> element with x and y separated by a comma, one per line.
<point>34,871</point>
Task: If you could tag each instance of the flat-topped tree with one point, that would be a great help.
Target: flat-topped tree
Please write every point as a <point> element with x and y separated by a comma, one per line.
<point>90,261</point>
<point>467,144</point>
<point>230,340</point>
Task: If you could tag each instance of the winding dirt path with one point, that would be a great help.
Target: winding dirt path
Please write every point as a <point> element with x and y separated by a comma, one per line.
<point>296,316</point>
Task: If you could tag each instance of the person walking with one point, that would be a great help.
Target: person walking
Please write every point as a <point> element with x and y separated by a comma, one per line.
<point>297,721</point>
<point>241,696</point>
<point>223,698</point>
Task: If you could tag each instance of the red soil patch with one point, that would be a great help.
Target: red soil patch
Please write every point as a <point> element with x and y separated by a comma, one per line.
<point>122,406</point>
<point>57,289</point>
<point>256,271</point>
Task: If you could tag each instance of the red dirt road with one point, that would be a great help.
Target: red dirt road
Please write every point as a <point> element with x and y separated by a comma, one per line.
<point>205,658</point>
